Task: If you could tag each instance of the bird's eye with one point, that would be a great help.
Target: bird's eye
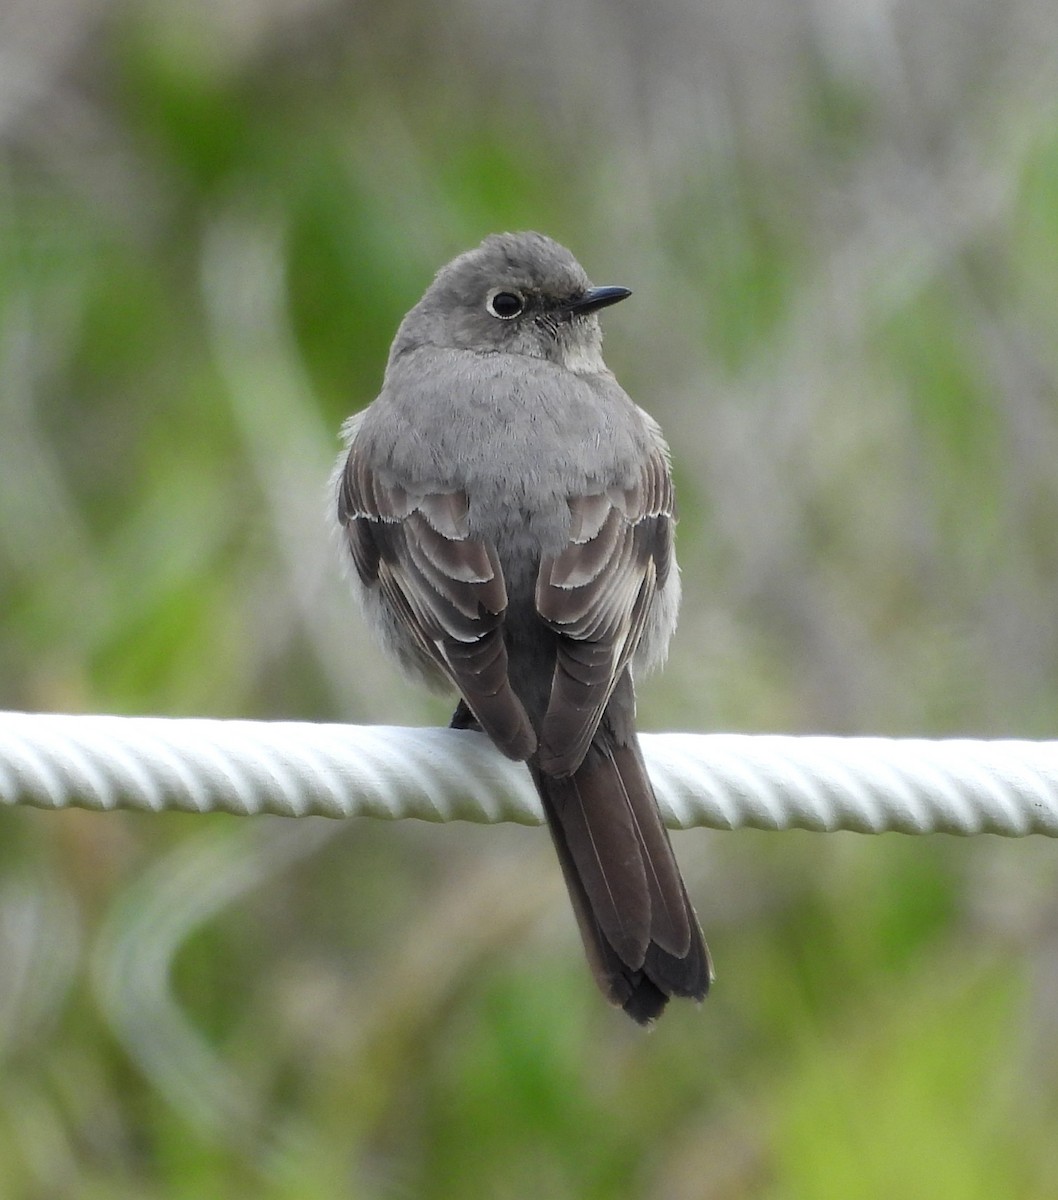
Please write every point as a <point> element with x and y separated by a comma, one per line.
<point>504,305</point>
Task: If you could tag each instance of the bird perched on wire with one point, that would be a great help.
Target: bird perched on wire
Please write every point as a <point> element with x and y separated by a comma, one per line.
<point>509,512</point>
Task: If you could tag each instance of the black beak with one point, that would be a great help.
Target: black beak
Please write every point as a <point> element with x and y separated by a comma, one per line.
<point>598,297</point>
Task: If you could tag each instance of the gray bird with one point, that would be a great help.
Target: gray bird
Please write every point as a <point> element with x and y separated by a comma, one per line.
<point>509,512</point>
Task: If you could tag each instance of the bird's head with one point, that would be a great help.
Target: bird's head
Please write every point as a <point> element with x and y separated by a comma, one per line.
<point>516,293</point>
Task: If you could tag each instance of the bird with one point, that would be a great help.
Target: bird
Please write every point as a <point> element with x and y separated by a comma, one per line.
<point>509,513</point>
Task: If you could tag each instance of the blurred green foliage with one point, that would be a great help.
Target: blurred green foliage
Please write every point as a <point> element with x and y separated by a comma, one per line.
<point>844,245</point>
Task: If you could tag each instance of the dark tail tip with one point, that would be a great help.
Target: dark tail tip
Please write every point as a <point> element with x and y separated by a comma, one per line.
<point>646,1003</point>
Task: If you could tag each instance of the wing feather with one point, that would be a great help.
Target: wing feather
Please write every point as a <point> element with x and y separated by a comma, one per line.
<point>596,595</point>
<point>445,587</point>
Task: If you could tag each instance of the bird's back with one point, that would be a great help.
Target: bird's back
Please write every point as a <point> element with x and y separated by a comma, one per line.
<point>517,436</point>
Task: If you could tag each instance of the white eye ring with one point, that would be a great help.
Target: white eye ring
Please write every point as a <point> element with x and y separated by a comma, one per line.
<point>504,303</point>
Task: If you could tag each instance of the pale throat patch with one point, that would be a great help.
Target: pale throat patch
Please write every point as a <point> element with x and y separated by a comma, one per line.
<point>583,359</point>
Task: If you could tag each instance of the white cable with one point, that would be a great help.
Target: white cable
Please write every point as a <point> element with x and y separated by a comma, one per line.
<point>725,781</point>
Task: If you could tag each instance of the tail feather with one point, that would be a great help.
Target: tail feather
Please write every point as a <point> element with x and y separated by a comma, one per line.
<point>602,844</point>
<point>640,933</point>
<point>672,920</point>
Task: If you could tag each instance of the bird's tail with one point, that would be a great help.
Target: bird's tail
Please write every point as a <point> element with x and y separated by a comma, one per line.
<point>640,932</point>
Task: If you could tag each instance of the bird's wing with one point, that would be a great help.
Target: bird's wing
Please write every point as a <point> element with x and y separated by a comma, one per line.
<point>596,595</point>
<point>446,587</point>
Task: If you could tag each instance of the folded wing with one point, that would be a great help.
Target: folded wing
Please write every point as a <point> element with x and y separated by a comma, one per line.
<point>595,595</point>
<point>446,586</point>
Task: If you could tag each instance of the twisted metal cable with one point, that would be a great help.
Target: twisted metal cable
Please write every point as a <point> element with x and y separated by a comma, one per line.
<point>725,781</point>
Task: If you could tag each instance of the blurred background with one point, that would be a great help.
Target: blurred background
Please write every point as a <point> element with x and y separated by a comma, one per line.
<point>841,225</point>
